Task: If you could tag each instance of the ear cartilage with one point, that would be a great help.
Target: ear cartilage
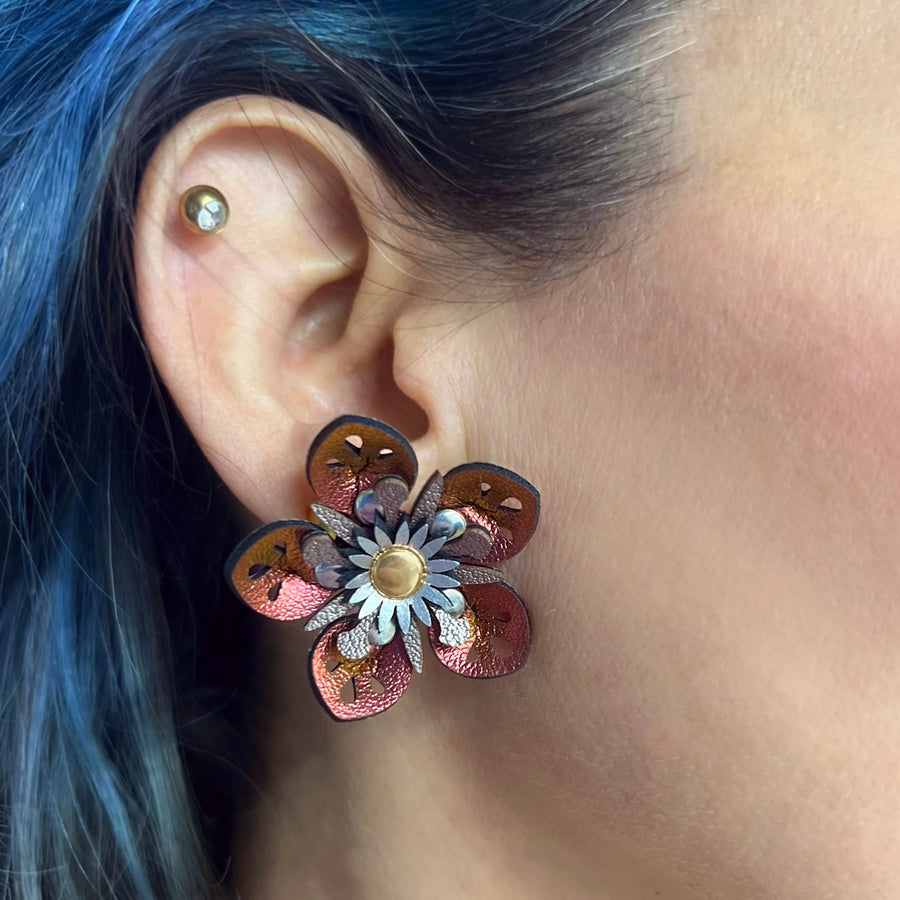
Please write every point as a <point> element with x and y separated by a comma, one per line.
<point>204,210</point>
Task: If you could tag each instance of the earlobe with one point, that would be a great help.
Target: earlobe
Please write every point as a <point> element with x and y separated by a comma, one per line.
<point>256,331</point>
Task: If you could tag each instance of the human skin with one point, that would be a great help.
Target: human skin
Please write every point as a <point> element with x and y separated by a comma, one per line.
<point>712,415</point>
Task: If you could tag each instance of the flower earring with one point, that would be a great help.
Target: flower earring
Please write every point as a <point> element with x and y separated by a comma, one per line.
<point>369,572</point>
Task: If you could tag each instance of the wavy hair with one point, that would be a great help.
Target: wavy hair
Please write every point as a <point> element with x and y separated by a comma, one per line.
<point>525,125</point>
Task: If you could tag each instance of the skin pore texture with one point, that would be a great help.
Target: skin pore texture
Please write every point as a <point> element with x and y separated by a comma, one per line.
<point>712,415</point>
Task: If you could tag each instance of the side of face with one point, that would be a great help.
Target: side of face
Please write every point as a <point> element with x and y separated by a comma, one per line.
<point>713,417</point>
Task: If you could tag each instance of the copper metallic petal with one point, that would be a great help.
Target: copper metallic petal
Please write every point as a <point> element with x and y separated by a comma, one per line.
<point>500,633</point>
<point>330,673</point>
<point>351,455</point>
<point>497,500</point>
<point>267,570</point>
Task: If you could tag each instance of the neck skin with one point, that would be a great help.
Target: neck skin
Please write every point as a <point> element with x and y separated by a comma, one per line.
<point>399,806</point>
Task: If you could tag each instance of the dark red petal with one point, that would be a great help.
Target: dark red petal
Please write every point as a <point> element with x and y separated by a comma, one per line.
<point>499,501</point>
<point>268,572</point>
<point>331,674</point>
<point>351,454</point>
<point>501,633</point>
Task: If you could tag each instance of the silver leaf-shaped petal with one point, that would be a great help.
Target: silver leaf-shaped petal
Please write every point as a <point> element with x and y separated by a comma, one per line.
<point>454,630</point>
<point>330,612</point>
<point>477,575</point>
<point>412,641</point>
<point>336,522</point>
<point>355,644</point>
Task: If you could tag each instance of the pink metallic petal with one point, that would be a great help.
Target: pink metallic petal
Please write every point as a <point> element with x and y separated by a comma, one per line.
<point>267,570</point>
<point>499,501</point>
<point>356,689</point>
<point>351,455</point>
<point>500,638</point>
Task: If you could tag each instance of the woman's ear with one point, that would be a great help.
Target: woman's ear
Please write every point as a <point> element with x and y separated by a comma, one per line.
<point>286,318</point>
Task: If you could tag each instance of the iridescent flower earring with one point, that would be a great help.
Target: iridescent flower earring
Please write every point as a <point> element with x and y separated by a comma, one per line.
<point>369,572</point>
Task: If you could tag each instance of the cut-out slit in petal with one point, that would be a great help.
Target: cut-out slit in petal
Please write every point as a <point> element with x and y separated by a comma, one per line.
<point>273,556</point>
<point>389,666</point>
<point>346,459</point>
<point>498,619</point>
<point>494,510</point>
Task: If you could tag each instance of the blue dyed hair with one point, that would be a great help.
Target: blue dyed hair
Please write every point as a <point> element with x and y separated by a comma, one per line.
<point>524,125</point>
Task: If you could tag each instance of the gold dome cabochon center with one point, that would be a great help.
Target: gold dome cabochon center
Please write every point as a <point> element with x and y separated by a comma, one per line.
<point>398,572</point>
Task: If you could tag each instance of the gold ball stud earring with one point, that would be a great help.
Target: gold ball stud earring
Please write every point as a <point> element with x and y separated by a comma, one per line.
<point>204,210</point>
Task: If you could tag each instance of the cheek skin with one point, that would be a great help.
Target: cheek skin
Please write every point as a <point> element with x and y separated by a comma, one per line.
<point>714,423</point>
